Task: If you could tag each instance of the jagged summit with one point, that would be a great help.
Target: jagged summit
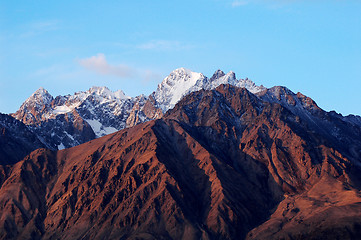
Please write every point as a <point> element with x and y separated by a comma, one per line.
<point>69,120</point>
<point>219,78</point>
<point>181,82</point>
<point>217,74</point>
<point>41,90</point>
<point>107,93</point>
<point>40,96</point>
<point>31,110</point>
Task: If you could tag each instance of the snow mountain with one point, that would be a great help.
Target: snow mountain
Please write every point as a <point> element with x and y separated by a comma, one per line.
<point>182,81</point>
<point>222,164</point>
<point>67,121</point>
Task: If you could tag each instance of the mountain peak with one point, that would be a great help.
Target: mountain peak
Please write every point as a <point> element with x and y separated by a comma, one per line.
<point>182,75</point>
<point>231,75</point>
<point>98,88</point>
<point>182,81</point>
<point>182,70</point>
<point>40,96</point>
<point>107,93</point>
<point>217,74</point>
<point>31,110</point>
<point>177,84</point>
<point>219,77</point>
<point>41,91</point>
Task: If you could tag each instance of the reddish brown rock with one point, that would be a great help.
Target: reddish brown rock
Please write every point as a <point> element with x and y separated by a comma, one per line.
<point>223,164</point>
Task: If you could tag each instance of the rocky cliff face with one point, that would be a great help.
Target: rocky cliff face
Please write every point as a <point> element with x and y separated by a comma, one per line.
<point>222,164</point>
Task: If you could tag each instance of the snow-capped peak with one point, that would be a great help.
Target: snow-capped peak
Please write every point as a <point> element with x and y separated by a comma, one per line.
<point>179,83</point>
<point>182,81</point>
<point>41,90</point>
<point>217,74</point>
<point>219,77</point>
<point>121,95</point>
<point>181,76</point>
<point>40,97</point>
<point>98,95</point>
<point>107,93</point>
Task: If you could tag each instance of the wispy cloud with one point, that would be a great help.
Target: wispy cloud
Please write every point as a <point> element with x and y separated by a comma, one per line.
<point>149,75</point>
<point>163,45</point>
<point>269,3</point>
<point>239,3</point>
<point>100,65</point>
<point>40,27</point>
<point>45,25</point>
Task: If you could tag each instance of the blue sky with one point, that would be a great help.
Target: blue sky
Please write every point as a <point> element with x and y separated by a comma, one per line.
<point>310,46</point>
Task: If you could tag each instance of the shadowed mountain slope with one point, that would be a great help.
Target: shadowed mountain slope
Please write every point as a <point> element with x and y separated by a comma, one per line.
<point>16,140</point>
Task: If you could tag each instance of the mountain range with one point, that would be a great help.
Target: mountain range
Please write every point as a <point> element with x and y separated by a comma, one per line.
<point>67,121</point>
<point>199,158</point>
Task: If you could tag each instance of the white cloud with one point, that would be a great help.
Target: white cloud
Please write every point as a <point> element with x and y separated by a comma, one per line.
<point>238,3</point>
<point>100,65</point>
<point>164,45</point>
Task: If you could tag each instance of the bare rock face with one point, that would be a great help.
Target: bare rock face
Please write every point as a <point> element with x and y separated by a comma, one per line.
<point>222,164</point>
<point>144,109</point>
<point>32,110</point>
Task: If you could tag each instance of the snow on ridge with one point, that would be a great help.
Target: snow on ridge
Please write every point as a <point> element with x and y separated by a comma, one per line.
<point>107,93</point>
<point>229,78</point>
<point>181,82</point>
<point>101,94</point>
<point>108,111</point>
<point>177,84</point>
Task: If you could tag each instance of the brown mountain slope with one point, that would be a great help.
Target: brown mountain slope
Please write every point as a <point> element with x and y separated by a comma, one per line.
<point>146,182</point>
<point>218,165</point>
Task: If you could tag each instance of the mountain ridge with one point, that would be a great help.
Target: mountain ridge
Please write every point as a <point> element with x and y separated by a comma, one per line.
<point>222,164</point>
<point>69,120</point>
<point>100,111</point>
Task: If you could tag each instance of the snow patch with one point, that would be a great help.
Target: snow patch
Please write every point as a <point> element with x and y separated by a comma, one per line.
<point>61,146</point>
<point>99,129</point>
<point>61,109</point>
